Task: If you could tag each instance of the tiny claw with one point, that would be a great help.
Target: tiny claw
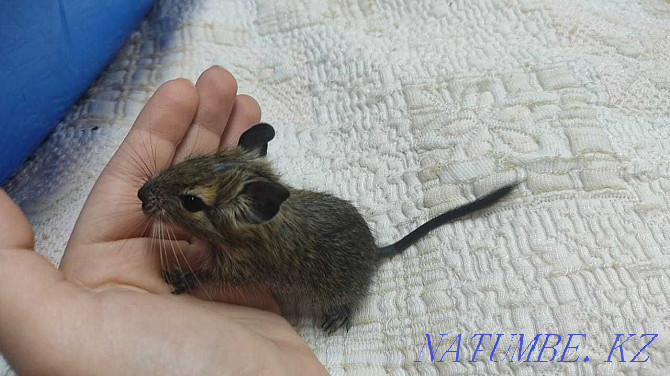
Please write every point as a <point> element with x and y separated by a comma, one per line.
<point>336,320</point>
<point>181,282</point>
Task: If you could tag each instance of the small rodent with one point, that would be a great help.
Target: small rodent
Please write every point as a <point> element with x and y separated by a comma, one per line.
<point>303,244</point>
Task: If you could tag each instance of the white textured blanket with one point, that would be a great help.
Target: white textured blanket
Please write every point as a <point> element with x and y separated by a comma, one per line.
<point>411,107</point>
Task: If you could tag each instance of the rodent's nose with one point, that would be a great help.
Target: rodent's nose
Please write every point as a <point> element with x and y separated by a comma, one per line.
<point>143,194</point>
<point>148,199</point>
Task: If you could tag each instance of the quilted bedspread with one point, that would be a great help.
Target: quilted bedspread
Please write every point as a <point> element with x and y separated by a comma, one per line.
<point>412,107</point>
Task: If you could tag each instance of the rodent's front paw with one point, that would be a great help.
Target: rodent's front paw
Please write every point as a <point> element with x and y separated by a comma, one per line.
<point>180,281</point>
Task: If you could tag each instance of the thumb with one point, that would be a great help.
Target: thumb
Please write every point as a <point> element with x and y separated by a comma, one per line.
<point>15,230</point>
<point>27,281</point>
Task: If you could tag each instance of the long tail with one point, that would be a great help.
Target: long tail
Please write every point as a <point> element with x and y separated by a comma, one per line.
<point>421,231</point>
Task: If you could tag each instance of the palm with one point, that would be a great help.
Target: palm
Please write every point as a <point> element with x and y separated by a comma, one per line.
<point>110,304</point>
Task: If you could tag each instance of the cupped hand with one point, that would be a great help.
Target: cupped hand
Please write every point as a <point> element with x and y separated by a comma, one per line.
<point>108,310</point>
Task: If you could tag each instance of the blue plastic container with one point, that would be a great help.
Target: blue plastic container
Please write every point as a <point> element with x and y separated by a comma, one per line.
<point>50,53</point>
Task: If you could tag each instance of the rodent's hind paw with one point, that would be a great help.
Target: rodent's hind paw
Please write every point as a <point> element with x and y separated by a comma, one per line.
<point>180,281</point>
<point>336,319</point>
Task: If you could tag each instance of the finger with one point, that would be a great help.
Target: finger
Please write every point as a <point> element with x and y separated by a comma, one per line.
<point>246,112</point>
<point>15,230</point>
<point>149,146</point>
<point>216,92</point>
<point>30,288</point>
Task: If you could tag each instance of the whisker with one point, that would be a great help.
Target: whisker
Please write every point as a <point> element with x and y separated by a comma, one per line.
<point>136,163</point>
<point>127,173</point>
<point>153,239</point>
<point>174,253</point>
<point>195,275</point>
<point>129,228</point>
<point>161,245</point>
<point>197,133</point>
<point>153,152</point>
<point>148,154</point>
<point>135,224</point>
<point>142,161</point>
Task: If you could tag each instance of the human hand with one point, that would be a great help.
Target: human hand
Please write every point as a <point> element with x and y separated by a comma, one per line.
<point>108,310</point>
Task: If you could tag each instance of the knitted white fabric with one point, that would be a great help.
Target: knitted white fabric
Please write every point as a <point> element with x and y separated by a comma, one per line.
<point>409,108</point>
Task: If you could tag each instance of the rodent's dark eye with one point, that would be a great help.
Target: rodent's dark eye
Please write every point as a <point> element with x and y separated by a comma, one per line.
<point>192,203</point>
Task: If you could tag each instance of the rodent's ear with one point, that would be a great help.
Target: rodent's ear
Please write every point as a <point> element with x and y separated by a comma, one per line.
<point>264,200</point>
<point>256,138</point>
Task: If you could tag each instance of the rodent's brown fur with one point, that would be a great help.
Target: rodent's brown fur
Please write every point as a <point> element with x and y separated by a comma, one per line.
<point>317,248</point>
